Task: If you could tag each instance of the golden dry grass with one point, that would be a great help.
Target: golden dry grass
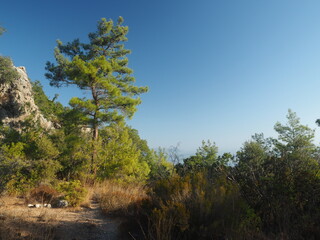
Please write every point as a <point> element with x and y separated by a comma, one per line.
<point>119,199</point>
<point>17,222</point>
<point>86,202</point>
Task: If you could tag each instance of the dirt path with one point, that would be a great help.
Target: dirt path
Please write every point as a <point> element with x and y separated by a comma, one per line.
<point>65,224</point>
<point>87,224</point>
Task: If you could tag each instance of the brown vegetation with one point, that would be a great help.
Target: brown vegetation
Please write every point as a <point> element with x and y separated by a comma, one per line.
<point>120,199</point>
<point>19,222</point>
<point>87,221</point>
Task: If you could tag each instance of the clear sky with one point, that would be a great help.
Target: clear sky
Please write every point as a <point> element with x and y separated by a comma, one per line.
<point>217,69</point>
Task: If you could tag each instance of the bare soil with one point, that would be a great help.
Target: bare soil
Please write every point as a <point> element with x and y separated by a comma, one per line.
<point>17,221</point>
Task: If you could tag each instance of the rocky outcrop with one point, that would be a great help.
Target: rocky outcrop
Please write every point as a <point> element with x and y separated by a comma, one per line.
<point>17,103</point>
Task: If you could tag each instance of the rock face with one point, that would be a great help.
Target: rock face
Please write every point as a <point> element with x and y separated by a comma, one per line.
<point>17,103</point>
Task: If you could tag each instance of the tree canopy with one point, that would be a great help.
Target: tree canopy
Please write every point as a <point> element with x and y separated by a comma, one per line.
<point>99,67</point>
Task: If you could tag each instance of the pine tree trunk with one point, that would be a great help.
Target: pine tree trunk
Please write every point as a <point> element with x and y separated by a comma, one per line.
<point>95,133</point>
<point>94,148</point>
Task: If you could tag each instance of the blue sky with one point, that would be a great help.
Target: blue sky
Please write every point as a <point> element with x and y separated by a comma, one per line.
<point>219,70</point>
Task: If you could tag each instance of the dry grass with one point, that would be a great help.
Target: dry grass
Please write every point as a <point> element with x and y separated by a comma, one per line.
<point>86,202</point>
<point>19,222</point>
<point>119,199</point>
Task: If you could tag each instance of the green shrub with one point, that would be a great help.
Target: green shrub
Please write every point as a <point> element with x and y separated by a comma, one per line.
<point>73,192</point>
<point>7,72</point>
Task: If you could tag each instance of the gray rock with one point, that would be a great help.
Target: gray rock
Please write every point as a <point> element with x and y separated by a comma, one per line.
<point>17,103</point>
<point>61,204</point>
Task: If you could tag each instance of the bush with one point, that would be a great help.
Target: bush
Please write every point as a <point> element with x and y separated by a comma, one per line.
<point>7,71</point>
<point>43,194</point>
<point>205,205</point>
<point>73,192</point>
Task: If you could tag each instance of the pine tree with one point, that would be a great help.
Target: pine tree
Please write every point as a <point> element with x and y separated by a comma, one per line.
<point>99,67</point>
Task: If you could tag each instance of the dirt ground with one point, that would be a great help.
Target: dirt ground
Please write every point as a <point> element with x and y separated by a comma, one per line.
<point>17,221</point>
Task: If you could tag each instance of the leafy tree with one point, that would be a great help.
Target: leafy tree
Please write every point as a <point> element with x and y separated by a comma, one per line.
<point>250,170</point>
<point>41,152</point>
<point>207,152</point>
<point>49,108</point>
<point>252,155</point>
<point>74,155</point>
<point>205,157</point>
<point>12,164</point>
<point>119,157</point>
<point>294,138</point>
<point>28,157</point>
<point>159,165</point>
<point>157,160</point>
<point>99,67</point>
<point>279,178</point>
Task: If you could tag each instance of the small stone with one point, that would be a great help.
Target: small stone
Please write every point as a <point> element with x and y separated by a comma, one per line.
<point>62,203</point>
